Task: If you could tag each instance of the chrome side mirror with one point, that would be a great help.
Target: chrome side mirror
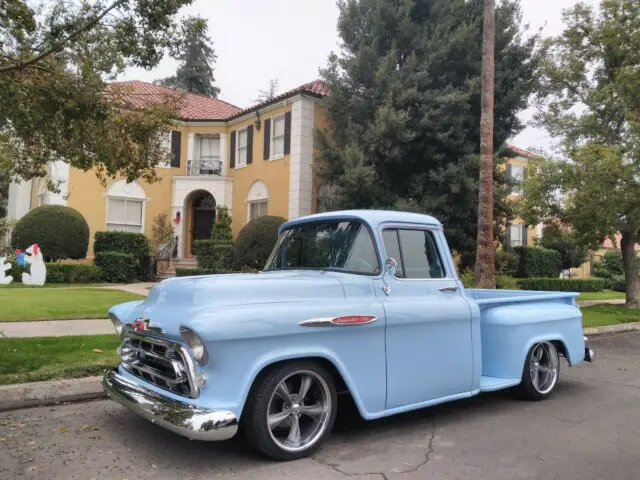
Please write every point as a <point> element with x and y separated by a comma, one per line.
<point>391,266</point>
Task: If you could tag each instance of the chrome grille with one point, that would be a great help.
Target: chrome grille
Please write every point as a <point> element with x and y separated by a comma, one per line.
<point>160,362</point>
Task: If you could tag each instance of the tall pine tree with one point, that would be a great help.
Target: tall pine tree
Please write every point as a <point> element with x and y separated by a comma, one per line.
<point>196,56</point>
<point>404,108</point>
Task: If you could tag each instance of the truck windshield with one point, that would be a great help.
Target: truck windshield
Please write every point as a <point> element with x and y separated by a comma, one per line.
<point>344,246</point>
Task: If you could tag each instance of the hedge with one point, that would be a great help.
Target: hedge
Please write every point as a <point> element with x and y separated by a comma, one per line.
<point>616,283</point>
<point>62,273</point>
<point>188,272</point>
<point>72,273</point>
<point>117,267</point>
<point>535,262</point>
<point>562,285</point>
<point>213,255</point>
<point>135,244</point>
<point>60,232</point>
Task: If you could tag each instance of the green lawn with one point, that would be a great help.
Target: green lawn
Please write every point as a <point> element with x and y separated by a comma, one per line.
<point>25,304</point>
<point>609,295</point>
<point>600,315</point>
<point>52,358</point>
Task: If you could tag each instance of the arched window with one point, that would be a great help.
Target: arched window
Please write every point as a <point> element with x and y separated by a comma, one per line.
<point>125,207</point>
<point>257,201</point>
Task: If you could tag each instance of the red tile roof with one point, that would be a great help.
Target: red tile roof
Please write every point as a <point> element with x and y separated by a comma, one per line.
<point>317,88</point>
<point>522,152</point>
<point>192,106</point>
<point>609,244</point>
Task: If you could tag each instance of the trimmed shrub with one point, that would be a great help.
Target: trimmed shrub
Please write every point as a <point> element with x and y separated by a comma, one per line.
<point>617,283</point>
<point>562,285</point>
<point>72,273</point>
<point>213,255</point>
<point>188,272</point>
<point>61,232</point>
<point>506,261</point>
<point>535,262</point>
<point>134,244</point>
<point>256,241</point>
<point>505,282</point>
<point>117,267</point>
<point>126,242</point>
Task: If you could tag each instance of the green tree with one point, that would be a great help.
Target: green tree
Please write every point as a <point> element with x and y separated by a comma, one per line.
<point>589,99</point>
<point>196,55</point>
<point>221,230</point>
<point>55,60</point>
<point>405,105</point>
<point>573,254</point>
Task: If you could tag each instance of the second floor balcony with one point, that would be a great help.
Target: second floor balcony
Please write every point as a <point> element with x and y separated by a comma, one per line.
<point>205,166</point>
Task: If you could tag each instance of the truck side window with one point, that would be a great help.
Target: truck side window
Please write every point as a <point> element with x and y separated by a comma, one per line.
<point>415,251</point>
<point>392,248</point>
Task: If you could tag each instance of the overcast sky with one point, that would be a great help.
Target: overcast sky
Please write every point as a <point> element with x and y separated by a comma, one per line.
<point>288,40</point>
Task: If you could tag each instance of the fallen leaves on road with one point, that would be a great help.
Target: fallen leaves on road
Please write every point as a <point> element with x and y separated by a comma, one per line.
<point>61,430</point>
<point>88,428</point>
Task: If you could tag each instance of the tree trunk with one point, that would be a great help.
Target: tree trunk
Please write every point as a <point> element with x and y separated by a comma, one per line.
<point>630,271</point>
<point>485,266</point>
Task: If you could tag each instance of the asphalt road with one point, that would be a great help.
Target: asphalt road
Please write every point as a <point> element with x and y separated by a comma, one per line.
<point>590,429</point>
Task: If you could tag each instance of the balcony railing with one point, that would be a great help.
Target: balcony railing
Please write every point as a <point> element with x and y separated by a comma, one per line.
<point>204,166</point>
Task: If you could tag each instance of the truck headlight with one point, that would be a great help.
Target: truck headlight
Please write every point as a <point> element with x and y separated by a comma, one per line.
<point>117,324</point>
<point>196,345</point>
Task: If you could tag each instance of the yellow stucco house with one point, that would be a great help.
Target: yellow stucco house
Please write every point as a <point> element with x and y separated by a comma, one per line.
<point>517,233</point>
<point>255,161</point>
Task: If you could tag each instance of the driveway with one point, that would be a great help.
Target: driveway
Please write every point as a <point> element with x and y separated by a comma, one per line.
<point>589,430</point>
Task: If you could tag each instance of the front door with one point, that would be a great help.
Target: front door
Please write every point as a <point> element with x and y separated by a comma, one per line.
<point>204,214</point>
<point>429,344</point>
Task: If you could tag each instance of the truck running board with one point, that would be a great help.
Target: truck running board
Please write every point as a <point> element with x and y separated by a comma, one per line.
<point>490,384</point>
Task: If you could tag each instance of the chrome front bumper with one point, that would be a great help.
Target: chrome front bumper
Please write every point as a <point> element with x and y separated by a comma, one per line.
<point>177,416</point>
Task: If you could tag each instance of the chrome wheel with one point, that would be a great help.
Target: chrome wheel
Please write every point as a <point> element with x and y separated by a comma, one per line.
<point>543,367</point>
<point>299,410</point>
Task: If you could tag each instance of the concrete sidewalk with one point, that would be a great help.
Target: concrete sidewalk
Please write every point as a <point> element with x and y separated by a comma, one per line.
<point>591,303</point>
<point>141,288</point>
<point>56,328</point>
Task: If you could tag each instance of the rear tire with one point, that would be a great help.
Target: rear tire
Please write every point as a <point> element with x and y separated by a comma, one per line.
<point>290,410</point>
<point>541,372</point>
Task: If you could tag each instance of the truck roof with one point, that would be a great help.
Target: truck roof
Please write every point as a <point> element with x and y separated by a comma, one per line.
<point>373,217</point>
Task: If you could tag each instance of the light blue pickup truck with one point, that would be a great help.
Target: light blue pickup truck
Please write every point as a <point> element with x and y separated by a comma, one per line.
<point>366,303</point>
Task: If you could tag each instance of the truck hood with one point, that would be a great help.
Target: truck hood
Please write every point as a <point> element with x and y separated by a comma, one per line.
<point>173,300</point>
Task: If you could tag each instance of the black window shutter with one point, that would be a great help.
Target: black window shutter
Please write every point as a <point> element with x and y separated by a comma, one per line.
<point>176,138</point>
<point>525,234</point>
<point>509,170</point>
<point>267,139</point>
<point>232,158</point>
<point>508,234</point>
<point>249,144</point>
<point>525,173</point>
<point>287,133</point>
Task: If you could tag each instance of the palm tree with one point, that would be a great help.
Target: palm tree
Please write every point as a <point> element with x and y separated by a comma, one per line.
<point>485,266</point>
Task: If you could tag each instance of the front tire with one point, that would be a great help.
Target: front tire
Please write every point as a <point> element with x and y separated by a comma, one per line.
<point>541,372</point>
<point>291,410</point>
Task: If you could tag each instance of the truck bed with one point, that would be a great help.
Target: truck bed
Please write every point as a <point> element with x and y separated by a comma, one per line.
<point>511,321</point>
<point>488,297</point>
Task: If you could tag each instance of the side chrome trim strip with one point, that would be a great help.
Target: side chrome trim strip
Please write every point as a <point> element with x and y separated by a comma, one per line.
<point>335,321</point>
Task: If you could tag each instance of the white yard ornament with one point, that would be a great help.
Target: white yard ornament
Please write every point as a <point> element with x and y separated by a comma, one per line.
<point>4,268</point>
<point>37,269</point>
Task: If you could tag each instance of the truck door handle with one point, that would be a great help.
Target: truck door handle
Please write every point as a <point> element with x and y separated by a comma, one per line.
<point>449,289</point>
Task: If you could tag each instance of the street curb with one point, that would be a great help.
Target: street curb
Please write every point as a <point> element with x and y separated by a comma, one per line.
<point>608,329</point>
<point>37,394</point>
